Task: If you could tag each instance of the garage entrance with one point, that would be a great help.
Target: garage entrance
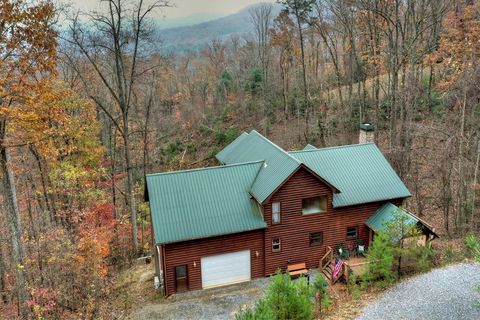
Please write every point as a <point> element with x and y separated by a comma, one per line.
<point>224,269</point>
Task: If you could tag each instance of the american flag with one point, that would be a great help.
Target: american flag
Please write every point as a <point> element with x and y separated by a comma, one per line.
<point>337,268</point>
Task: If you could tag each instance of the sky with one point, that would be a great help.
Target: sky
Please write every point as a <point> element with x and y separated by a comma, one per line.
<point>183,8</point>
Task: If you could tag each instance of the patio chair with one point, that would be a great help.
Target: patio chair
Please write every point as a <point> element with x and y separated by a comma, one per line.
<point>342,251</point>
<point>360,247</point>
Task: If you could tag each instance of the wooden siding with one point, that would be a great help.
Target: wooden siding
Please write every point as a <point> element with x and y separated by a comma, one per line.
<point>295,228</point>
<point>188,252</point>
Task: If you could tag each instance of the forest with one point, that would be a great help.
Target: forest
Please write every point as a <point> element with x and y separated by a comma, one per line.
<point>89,106</point>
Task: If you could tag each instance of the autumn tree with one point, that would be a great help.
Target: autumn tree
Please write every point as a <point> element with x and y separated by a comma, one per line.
<point>283,37</point>
<point>27,54</point>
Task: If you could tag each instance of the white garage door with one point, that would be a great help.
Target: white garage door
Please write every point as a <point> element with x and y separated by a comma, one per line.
<point>225,269</point>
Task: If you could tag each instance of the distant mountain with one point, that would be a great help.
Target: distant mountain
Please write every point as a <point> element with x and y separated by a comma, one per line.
<point>185,21</point>
<point>194,37</point>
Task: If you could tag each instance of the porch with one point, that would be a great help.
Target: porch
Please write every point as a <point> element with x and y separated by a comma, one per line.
<point>334,267</point>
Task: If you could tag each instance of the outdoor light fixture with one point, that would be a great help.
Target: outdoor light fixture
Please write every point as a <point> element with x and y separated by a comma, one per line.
<point>194,264</point>
<point>257,254</point>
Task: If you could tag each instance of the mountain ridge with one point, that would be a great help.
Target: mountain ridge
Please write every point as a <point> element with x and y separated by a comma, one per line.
<point>191,38</point>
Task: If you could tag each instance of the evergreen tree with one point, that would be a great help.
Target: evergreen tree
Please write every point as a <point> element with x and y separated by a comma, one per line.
<point>284,299</point>
<point>379,262</point>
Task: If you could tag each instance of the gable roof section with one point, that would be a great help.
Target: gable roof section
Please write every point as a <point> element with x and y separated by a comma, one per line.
<point>202,203</point>
<point>278,165</point>
<point>360,171</point>
<point>309,147</point>
<point>378,222</point>
<point>230,153</point>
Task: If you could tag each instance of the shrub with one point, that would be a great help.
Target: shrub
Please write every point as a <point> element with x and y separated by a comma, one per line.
<point>449,255</point>
<point>422,257</point>
<point>320,286</point>
<point>284,299</point>
<point>472,247</point>
<point>352,287</point>
<point>379,262</point>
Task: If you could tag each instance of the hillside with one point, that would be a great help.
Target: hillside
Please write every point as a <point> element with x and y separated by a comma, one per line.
<point>194,37</point>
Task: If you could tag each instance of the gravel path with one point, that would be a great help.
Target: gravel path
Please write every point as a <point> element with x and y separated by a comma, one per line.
<point>210,304</point>
<point>447,293</point>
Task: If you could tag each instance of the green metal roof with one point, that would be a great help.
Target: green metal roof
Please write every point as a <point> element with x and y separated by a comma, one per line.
<point>230,153</point>
<point>309,147</point>
<point>201,203</point>
<point>359,171</point>
<point>378,222</point>
<point>278,164</point>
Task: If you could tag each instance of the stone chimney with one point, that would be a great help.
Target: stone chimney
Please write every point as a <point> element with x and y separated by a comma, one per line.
<point>366,133</point>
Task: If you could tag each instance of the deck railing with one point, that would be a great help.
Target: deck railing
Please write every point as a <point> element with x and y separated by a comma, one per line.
<point>326,259</point>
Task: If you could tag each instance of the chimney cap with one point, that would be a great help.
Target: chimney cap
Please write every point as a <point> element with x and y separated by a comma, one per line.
<point>367,126</point>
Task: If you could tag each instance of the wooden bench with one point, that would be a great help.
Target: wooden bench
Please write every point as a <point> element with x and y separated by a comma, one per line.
<point>297,269</point>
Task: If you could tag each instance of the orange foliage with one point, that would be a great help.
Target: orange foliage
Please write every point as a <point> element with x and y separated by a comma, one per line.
<point>459,44</point>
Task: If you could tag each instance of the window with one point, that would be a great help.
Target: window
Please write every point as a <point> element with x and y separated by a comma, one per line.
<point>352,233</point>
<point>181,271</point>
<point>276,213</point>
<point>316,239</point>
<point>276,245</point>
<point>314,205</point>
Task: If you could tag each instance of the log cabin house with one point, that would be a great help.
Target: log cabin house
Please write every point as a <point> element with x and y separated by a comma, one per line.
<point>265,208</point>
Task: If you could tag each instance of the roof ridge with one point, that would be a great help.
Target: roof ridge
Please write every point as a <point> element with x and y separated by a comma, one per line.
<point>276,146</point>
<point>336,147</point>
<point>205,168</point>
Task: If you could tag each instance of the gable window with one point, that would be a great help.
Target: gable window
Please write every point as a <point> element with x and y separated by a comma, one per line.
<point>276,213</point>
<point>276,246</point>
<point>352,233</point>
<point>316,239</point>
<point>314,205</point>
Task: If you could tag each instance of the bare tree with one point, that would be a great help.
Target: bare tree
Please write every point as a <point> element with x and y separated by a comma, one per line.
<point>261,17</point>
<point>113,44</point>
<point>301,10</point>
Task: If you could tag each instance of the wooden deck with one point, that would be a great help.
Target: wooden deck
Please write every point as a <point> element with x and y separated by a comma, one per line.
<point>358,265</point>
<point>355,264</point>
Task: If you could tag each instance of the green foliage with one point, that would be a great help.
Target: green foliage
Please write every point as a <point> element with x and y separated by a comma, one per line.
<point>299,8</point>
<point>225,83</point>
<point>175,148</point>
<point>284,299</point>
<point>472,247</point>
<point>422,256</point>
<point>436,103</point>
<point>449,255</point>
<point>226,136</point>
<point>400,227</point>
<point>403,234</point>
<point>255,81</point>
<point>320,286</point>
<point>353,287</point>
<point>380,262</point>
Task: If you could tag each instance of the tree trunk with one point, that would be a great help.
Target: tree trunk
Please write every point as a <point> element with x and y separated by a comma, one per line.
<point>474,194</point>
<point>3,292</point>
<point>304,73</point>
<point>130,189</point>
<point>15,228</point>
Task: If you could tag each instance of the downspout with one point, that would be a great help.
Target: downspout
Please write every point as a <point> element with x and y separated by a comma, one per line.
<point>164,265</point>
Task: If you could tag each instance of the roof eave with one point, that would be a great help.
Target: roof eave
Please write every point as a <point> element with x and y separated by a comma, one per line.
<point>210,236</point>
<point>370,201</point>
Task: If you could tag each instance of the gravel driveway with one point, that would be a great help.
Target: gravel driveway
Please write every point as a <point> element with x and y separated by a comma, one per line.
<point>210,304</point>
<point>447,293</point>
